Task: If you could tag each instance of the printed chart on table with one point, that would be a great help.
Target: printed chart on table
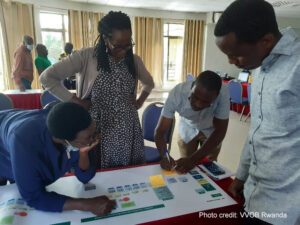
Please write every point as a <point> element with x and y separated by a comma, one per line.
<point>141,194</point>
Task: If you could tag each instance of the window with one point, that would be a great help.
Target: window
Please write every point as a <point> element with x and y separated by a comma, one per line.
<point>173,47</point>
<point>54,32</point>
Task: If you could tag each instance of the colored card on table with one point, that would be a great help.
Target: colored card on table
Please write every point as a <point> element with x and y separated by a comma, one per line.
<point>127,188</point>
<point>203,181</point>
<point>163,193</point>
<point>198,177</point>
<point>171,180</point>
<point>120,189</point>
<point>143,185</point>
<point>89,186</point>
<point>111,190</point>
<point>135,186</point>
<point>200,191</point>
<point>208,187</point>
<point>157,180</point>
<point>169,173</point>
<point>193,172</point>
<point>182,179</point>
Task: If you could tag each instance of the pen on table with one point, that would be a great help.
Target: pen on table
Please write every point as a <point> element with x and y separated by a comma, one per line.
<point>167,154</point>
<point>168,157</point>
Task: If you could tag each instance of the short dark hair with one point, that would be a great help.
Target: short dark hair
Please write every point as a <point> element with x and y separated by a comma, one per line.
<point>66,119</point>
<point>68,48</point>
<point>39,48</point>
<point>209,80</point>
<point>112,21</point>
<point>249,20</point>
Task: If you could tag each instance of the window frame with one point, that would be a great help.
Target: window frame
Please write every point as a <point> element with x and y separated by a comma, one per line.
<point>168,22</point>
<point>64,31</point>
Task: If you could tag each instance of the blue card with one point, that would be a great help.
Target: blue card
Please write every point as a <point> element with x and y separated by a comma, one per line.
<point>111,190</point>
<point>127,187</point>
<point>171,180</point>
<point>143,185</point>
<point>183,179</point>
<point>198,177</point>
<point>120,189</point>
<point>135,186</point>
<point>193,172</point>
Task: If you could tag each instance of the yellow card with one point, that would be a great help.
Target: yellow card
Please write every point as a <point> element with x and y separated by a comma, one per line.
<point>169,173</point>
<point>203,181</point>
<point>157,181</point>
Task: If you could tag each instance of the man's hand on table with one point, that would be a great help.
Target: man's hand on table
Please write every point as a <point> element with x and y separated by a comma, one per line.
<point>184,165</point>
<point>100,206</point>
<point>166,165</point>
<point>236,188</point>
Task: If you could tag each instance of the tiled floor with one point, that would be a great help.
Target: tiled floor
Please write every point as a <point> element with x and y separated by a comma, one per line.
<point>232,145</point>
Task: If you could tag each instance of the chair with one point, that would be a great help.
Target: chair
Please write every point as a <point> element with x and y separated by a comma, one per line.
<point>190,77</point>
<point>5,102</point>
<point>150,120</point>
<point>249,99</point>
<point>236,92</point>
<point>46,98</point>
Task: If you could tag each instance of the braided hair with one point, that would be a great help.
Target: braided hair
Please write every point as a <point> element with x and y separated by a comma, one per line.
<point>117,21</point>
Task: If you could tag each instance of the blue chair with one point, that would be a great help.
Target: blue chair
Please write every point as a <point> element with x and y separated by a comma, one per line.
<point>150,120</point>
<point>46,98</point>
<point>249,99</point>
<point>190,77</point>
<point>5,102</point>
<point>236,95</point>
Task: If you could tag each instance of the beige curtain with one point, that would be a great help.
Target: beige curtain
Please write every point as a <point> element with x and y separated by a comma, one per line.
<point>192,48</point>
<point>83,28</point>
<point>16,20</point>
<point>148,38</point>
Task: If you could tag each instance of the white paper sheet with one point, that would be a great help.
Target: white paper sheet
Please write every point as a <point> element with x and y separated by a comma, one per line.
<point>142,203</point>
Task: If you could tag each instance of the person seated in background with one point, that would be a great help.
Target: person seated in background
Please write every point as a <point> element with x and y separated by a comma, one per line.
<point>69,82</point>
<point>203,106</point>
<point>22,71</point>
<point>40,146</point>
<point>41,61</point>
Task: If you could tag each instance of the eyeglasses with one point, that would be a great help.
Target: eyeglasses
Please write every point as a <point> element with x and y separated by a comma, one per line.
<point>118,48</point>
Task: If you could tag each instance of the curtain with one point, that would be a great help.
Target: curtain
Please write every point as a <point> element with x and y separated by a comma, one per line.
<point>16,20</point>
<point>192,48</point>
<point>83,28</point>
<point>148,37</point>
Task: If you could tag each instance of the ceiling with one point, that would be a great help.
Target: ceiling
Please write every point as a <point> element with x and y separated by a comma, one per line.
<point>289,8</point>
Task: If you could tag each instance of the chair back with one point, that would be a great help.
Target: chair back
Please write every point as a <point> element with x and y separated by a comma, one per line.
<point>249,92</point>
<point>190,77</point>
<point>46,98</point>
<point>235,91</point>
<point>5,102</point>
<point>150,120</point>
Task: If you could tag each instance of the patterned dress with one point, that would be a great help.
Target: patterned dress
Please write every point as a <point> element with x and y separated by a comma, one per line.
<point>117,120</point>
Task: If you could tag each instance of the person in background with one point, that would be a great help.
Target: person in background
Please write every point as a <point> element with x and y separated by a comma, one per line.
<point>22,71</point>
<point>69,82</point>
<point>41,61</point>
<point>269,171</point>
<point>107,77</point>
<point>40,146</point>
<point>68,50</point>
<point>203,106</point>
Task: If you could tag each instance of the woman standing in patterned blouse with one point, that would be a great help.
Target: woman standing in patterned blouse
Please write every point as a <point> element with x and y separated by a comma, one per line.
<point>107,82</point>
